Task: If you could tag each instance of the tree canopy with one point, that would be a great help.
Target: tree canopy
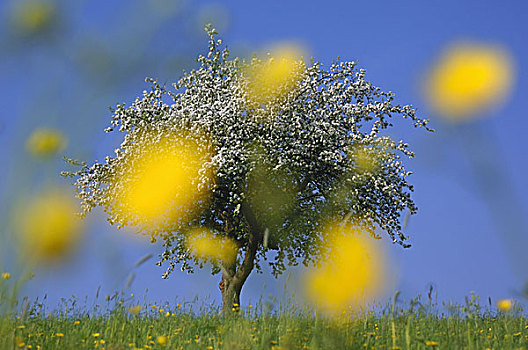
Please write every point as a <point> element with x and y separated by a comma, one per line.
<point>273,161</point>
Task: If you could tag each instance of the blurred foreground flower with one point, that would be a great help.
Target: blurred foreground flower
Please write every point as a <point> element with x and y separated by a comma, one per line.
<point>273,195</point>
<point>215,13</point>
<point>352,274</point>
<point>365,159</point>
<point>164,180</point>
<point>166,8</point>
<point>135,309</point>
<point>44,143</point>
<point>276,76</point>
<point>206,246</point>
<point>468,79</point>
<point>6,275</point>
<point>49,227</point>
<point>32,17</point>
<point>505,304</point>
<point>161,340</point>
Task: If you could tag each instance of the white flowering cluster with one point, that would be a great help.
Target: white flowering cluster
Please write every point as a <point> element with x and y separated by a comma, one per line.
<point>282,168</point>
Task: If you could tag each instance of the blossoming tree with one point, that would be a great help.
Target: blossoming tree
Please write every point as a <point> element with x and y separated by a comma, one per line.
<point>253,157</point>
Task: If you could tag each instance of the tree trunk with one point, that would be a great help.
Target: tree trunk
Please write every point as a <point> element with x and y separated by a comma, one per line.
<point>232,278</point>
<point>230,295</point>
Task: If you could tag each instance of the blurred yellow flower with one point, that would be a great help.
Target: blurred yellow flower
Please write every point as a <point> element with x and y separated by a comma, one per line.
<point>161,181</point>
<point>161,340</point>
<point>276,76</point>
<point>44,143</point>
<point>468,79</point>
<point>204,244</point>
<point>505,304</point>
<point>431,343</point>
<point>49,226</point>
<point>6,275</point>
<point>135,309</point>
<point>166,8</point>
<point>33,16</point>
<point>352,273</point>
<point>273,194</point>
<point>216,13</point>
<point>365,159</point>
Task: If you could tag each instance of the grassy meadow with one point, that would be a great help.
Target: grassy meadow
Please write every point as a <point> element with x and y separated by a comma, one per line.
<point>259,150</point>
<point>119,323</point>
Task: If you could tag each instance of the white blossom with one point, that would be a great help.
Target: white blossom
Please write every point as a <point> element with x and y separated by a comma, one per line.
<point>302,141</point>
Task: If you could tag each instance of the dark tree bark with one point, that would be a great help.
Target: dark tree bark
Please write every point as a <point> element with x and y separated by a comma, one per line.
<point>233,278</point>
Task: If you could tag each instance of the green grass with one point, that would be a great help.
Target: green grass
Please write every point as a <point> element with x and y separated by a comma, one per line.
<point>111,325</point>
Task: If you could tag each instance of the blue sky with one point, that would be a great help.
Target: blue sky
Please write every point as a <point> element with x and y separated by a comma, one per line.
<point>467,224</point>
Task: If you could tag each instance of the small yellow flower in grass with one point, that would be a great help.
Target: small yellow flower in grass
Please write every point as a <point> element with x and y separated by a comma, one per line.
<point>352,273</point>
<point>45,143</point>
<point>21,327</point>
<point>6,275</point>
<point>161,180</point>
<point>77,322</point>
<point>161,340</point>
<point>96,335</point>
<point>431,343</point>
<point>204,244</point>
<point>49,227</point>
<point>469,79</point>
<point>60,335</point>
<point>276,76</point>
<point>135,309</point>
<point>505,304</point>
